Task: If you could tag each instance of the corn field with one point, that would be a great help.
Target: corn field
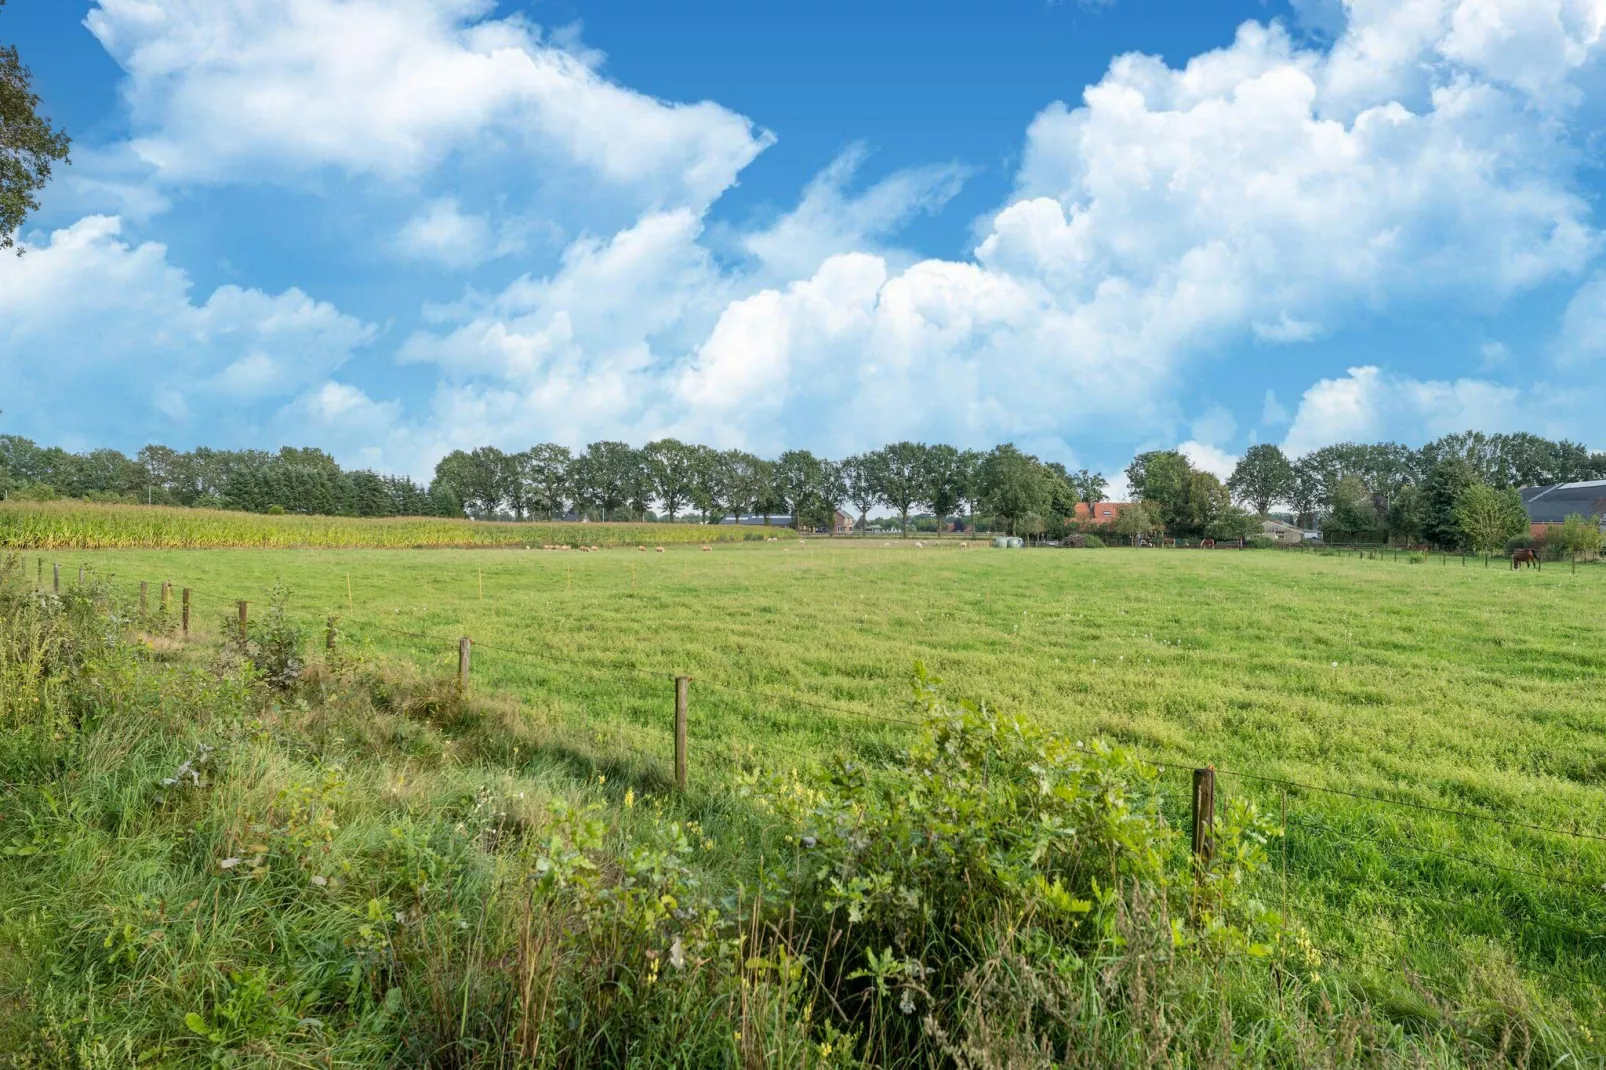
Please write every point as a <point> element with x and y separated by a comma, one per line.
<point>89,526</point>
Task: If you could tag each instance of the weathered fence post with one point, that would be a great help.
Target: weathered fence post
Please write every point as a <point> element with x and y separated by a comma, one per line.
<point>1204,826</point>
<point>167,594</point>
<point>40,581</point>
<point>80,575</point>
<point>244,610</point>
<point>329,634</point>
<point>144,597</point>
<point>464,645</point>
<point>682,690</point>
<point>186,600</point>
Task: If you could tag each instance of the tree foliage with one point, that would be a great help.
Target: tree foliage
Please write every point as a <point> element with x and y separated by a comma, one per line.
<point>1015,488</point>
<point>1578,534</point>
<point>29,145</point>
<point>902,478</point>
<point>861,484</point>
<point>1488,517</point>
<point>1263,478</point>
<point>1090,488</point>
<point>672,467</point>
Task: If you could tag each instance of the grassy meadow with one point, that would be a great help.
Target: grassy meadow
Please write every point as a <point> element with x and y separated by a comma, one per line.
<point>1456,688</point>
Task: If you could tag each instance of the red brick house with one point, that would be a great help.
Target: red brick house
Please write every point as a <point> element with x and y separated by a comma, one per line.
<point>1102,513</point>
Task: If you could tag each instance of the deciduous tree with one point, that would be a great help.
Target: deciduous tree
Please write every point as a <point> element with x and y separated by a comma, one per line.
<point>945,481</point>
<point>29,146</point>
<point>1488,517</point>
<point>1161,477</point>
<point>901,471</point>
<point>1015,486</point>
<point>861,482</point>
<point>1263,477</point>
<point>1090,489</point>
<point>672,466</point>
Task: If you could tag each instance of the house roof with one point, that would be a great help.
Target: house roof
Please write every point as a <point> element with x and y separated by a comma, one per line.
<point>1555,503</point>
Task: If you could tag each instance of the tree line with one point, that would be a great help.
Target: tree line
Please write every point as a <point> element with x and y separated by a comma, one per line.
<point>688,481</point>
<point>1354,492</point>
<point>1456,491</point>
<point>294,480</point>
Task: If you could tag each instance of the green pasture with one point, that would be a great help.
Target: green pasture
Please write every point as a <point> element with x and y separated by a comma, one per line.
<point>1458,687</point>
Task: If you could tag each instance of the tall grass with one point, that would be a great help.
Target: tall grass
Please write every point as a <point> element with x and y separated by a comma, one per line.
<point>83,525</point>
<point>346,864</point>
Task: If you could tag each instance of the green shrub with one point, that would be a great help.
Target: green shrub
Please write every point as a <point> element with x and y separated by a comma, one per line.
<point>275,510</point>
<point>1578,535</point>
<point>34,492</point>
<point>995,841</point>
<point>272,644</point>
<point>1093,542</point>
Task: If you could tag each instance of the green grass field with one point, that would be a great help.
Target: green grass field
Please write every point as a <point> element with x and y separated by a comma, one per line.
<point>1465,688</point>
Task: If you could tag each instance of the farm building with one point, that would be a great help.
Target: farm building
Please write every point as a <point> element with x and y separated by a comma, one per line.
<point>1552,505</point>
<point>1101,513</point>
<point>1283,533</point>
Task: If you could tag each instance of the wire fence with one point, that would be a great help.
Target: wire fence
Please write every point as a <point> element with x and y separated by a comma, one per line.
<point>1568,901</point>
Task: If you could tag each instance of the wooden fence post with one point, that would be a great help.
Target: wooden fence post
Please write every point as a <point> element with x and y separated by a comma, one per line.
<point>464,645</point>
<point>329,634</point>
<point>40,581</point>
<point>1204,825</point>
<point>80,575</point>
<point>243,618</point>
<point>144,597</point>
<point>186,600</point>
<point>682,690</point>
<point>55,571</point>
<point>167,594</point>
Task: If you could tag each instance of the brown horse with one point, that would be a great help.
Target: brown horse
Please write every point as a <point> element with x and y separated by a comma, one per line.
<point>1525,557</point>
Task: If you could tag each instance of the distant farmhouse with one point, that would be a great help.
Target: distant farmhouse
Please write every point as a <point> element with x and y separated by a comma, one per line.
<point>1287,534</point>
<point>1551,506</point>
<point>1102,512</point>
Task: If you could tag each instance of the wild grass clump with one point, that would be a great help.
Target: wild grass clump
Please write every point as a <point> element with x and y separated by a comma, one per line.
<point>205,861</point>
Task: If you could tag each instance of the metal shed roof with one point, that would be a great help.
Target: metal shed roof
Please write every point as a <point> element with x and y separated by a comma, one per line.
<point>1555,503</point>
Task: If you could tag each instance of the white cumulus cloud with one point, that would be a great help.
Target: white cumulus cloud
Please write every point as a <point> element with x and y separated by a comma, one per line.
<point>257,88</point>
<point>1367,405</point>
<point>86,315</point>
<point>1265,190</point>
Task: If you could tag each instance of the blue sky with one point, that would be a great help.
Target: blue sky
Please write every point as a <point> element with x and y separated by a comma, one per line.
<point>397,227</point>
